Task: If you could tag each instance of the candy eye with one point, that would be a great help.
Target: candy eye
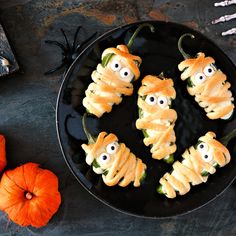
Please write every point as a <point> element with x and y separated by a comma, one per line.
<point>151,100</point>
<point>199,78</point>
<point>202,147</point>
<point>115,65</point>
<point>207,157</point>
<point>162,101</point>
<point>112,148</point>
<point>104,158</point>
<point>209,70</point>
<point>126,74</point>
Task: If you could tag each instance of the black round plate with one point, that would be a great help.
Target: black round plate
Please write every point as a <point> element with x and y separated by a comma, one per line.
<point>160,54</point>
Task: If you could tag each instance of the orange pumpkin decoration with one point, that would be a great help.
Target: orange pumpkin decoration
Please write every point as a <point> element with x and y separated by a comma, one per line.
<point>29,195</point>
<point>3,161</point>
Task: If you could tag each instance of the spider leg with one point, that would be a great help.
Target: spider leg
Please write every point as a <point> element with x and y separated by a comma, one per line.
<point>60,45</point>
<point>75,37</point>
<point>65,37</point>
<point>55,69</point>
<point>85,41</point>
<point>66,69</point>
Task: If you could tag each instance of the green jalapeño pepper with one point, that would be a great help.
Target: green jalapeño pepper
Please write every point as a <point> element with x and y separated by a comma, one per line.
<point>198,163</point>
<point>206,83</point>
<point>113,160</point>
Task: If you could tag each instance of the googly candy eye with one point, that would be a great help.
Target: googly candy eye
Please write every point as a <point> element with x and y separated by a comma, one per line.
<point>115,65</point>
<point>199,78</point>
<point>112,148</point>
<point>126,74</point>
<point>151,99</point>
<point>104,158</point>
<point>202,147</point>
<point>162,101</point>
<point>207,157</point>
<point>209,70</point>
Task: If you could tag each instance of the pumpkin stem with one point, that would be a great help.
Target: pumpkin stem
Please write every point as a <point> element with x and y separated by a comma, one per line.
<point>28,195</point>
<point>131,41</point>
<point>180,46</point>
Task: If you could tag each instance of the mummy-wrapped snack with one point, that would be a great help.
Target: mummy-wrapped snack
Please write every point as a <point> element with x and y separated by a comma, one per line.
<point>113,160</point>
<point>207,84</point>
<point>113,77</point>
<point>198,163</point>
<point>156,118</point>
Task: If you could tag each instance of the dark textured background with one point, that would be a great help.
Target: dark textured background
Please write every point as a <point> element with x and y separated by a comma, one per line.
<point>27,109</point>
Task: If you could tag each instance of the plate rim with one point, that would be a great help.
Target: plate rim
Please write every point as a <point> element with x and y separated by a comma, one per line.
<point>70,70</point>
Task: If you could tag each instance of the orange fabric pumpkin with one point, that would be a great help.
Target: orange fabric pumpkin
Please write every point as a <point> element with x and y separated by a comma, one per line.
<point>29,195</point>
<point>3,161</point>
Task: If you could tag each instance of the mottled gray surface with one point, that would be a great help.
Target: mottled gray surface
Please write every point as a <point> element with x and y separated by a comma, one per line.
<point>27,110</point>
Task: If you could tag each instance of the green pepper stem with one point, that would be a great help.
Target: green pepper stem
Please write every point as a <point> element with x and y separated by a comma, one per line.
<point>131,41</point>
<point>161,75</point>
<point>89,136</point>
<point>180,47</point>
<point>225,140</point>
<point>159,189</point>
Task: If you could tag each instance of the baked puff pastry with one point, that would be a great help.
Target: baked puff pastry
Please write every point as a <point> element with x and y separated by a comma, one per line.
<point>113,77</point>
<point>198,163</point>
<point>156,117</point>
<point>207,84</point>
<point>113,160</point>
<point>117,164</point>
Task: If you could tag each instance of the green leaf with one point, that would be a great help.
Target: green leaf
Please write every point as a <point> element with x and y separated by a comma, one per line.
<point>106,59</point>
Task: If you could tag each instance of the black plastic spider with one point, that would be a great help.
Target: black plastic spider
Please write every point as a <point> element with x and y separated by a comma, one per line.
<point>69,52</point>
